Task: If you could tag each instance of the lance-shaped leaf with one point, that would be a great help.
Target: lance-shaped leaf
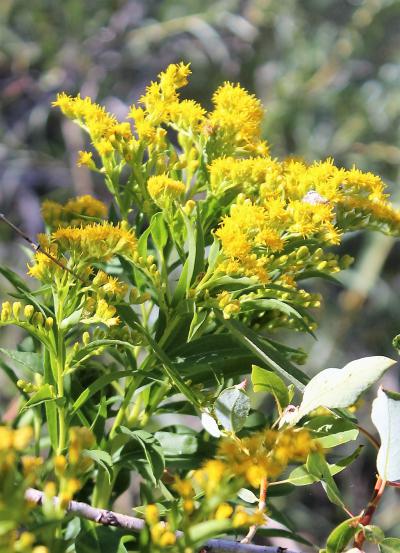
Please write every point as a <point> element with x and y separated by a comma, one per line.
<point>339,388</point>
<point>232,408</point>
<point>386,417</point>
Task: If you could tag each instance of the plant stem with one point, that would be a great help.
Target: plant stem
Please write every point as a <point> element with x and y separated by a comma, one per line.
<point>368,513</point>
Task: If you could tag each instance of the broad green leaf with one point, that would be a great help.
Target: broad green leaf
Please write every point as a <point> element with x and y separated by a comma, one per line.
<point>176,444</point>
<point>331,431</point>
<point>232,408</point>
<point>151,449</point>
<point>31,361</point>
<point>339,388</point>
<point>300,476</point>
<point>390,545</point>
<point>317,466</point>
<point>386,417</point>
<point>102,458</point>
<point>341,535</point>
<point>268,381</point>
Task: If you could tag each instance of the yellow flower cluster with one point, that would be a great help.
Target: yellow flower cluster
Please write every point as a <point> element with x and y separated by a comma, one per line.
<point>163,189</point>
<point>214,480</point>
<point>73,212</point>
<point>236,120</point>
<point>96,241</point>
<point>265,454</point>
<point>109,286</point>
<point>161,534</point>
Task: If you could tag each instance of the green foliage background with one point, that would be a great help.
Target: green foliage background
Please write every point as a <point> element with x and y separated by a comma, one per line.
<point>328,72</point>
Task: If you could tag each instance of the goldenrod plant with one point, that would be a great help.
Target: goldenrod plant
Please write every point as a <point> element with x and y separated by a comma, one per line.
<point>144,319</point>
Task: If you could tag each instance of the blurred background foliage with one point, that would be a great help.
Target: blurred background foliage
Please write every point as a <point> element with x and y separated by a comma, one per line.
<point>328,73</point>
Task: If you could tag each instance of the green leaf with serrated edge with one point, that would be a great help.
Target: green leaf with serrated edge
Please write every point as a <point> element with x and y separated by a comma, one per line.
<point>301,477</point>
<point>341,535</point>
<point>268,381</point>
<point>317,466</point>
<point>31,361</point>
<point>386,417</point>
<point>102,458</point>
<point>390,545</point>
<point>331,431</point>
<point>176,444</point>
<point>232,408</point>
<point>339,388</point>
<point>261,349</point>
<point>98,385</point>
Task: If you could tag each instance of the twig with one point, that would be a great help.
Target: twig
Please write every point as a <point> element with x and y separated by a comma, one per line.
<point>261,507</point>
<point>111,518</point>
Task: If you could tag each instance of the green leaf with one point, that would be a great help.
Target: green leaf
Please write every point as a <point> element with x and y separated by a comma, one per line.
<point>31,361</point>
<point>210,425</point>
<point>338,388</point>
<point>102,458</point>
<point>341,535</point>
<point>232,408</point>
<point>199,533</point>
<point>386,417</point>
<point>317,466</point>
<point>331,431</point>
<point>247,495</point>
<point>390,545</point>
<point>176,444</point>
<point>151,449</point>
<point>264,304</point>
<point>268,381</point>
<point>72,319</point>
<point>265,352</point>
<point>198,320</point>
<point>159,231</point>
<point>14,279</point>
<point>373,533</point>
<point>98,385</point>
<point>98,540</point>
<point>300,476</point>
<point>213,254</point>
<point>45,393</point>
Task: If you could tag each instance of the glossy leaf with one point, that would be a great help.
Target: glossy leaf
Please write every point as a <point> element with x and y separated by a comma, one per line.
<point>338,388</point>
<point>232,408</point>
<point>390,545</point>
<point>341,535</point>
<point>268,381</point>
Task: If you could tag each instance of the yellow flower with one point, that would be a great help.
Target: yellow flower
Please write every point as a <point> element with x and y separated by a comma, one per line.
<point>96,241</point>
<point>163,189</point>
<point>85,159</point>
<point>223,511</point>
<point>74,212</point>
<point>237,116</point>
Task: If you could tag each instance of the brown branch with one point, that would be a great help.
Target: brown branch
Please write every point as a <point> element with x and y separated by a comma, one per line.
<point>133,524</point>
